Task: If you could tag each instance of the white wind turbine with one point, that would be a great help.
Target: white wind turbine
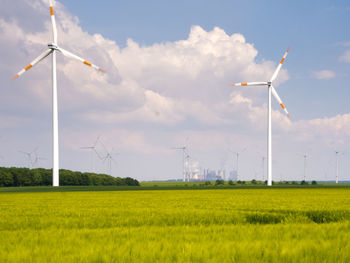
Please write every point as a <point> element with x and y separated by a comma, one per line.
<point>109,158</point>
<point>337,165</point>
<point>93,150</point>
<point>271,90</point>
<point>37,159</point>
<point>30,157</point>
<point>52,49</point>
<point>184,157</point>
<point>237,158</point>
<point>305,156</point>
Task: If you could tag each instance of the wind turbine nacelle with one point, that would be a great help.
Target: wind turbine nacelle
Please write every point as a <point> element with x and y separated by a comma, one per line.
<point>52,46</point>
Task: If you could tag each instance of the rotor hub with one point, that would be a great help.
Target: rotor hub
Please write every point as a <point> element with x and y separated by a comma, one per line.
<point>269,83</point>
<point>52,46</point>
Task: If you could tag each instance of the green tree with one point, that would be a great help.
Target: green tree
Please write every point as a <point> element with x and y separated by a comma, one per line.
<point>6,179</point>
<point>219,182</point>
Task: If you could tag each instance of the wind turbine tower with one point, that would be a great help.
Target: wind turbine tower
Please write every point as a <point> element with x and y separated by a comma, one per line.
<point>305,156</point>
<point>237,159</point>
<point>93,150</point>
<point>336,167</point>
<point>52,50</point>
<point>271,90</point>
<point>184,158</point>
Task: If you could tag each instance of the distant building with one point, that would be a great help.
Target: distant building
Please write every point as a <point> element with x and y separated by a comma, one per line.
<point>221,174</point>
<point>233,176</point>
<point>211,176</point>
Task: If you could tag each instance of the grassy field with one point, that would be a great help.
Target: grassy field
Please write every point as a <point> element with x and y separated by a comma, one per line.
<point>210,225</point>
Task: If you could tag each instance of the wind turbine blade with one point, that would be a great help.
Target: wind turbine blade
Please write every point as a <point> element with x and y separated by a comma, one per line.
<point>53,21</point>
<point>71,55</point>
<point>98,138</point>
<point>98,155</point>
<point>248,84</point>
<point>274,93</point>
<point>274,76</point>
<point>35,61</point>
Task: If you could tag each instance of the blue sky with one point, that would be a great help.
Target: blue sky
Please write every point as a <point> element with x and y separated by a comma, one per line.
<point>169,67</point>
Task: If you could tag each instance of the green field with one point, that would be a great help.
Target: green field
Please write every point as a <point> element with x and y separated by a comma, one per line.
<point>211,225</point>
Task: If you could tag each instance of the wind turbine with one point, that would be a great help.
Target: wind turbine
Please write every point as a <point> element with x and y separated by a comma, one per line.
<point>109,158</point>
<point>29,156</point>
<point>305,156</point>
<point>92,148</point>
<point>237,159</point>
<point>185,158</point>
<point>37,158</point>
<point>52,49</point>
<point>336,166</point>
<point>271,90</point>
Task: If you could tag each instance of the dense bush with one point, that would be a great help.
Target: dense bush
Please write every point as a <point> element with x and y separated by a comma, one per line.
<point>219,182</point>
<point>26,177</point>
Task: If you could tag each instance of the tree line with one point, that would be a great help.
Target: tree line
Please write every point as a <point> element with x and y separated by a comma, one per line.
<point>35,177</point>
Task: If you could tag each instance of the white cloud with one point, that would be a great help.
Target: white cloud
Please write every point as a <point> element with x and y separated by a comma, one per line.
<point>323,74</point>
<point>345,57</point>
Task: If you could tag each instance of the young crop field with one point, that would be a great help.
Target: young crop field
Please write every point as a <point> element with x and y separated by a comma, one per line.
<point>211,225</point>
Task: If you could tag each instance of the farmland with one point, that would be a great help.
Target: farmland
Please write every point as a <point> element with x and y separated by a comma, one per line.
<point>209,225</point>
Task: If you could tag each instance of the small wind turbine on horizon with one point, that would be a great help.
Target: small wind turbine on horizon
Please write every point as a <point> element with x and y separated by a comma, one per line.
<point>185,157</point>
<point>109,157</point>
<point>237,154</point>
<point>271,90</point>
<point>93,150</point>
<point>37,159</point>
<point>305,156</point>
<point>29,156</point>
<point>52,49</point>
<point>337,165</point>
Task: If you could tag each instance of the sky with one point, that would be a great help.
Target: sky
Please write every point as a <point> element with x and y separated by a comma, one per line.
<point>169,65</point>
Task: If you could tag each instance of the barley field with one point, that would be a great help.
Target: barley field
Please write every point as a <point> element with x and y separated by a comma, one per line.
<point>218,225</point>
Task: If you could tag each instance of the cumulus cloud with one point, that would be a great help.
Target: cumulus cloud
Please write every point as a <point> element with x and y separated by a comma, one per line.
<point>345,57</point>
<point>323,74</point>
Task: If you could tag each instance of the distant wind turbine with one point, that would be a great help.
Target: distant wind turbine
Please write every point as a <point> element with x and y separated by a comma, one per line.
<point>271,90</point>
<point>93,150</point>
<point>37,159</point>
<point>109,158</point>
<point>29,156</point>
<point>305,156</point>
<point>337,166</point>
<point>184,157</point>
<point>237,154</point>
<point>52,49</point>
